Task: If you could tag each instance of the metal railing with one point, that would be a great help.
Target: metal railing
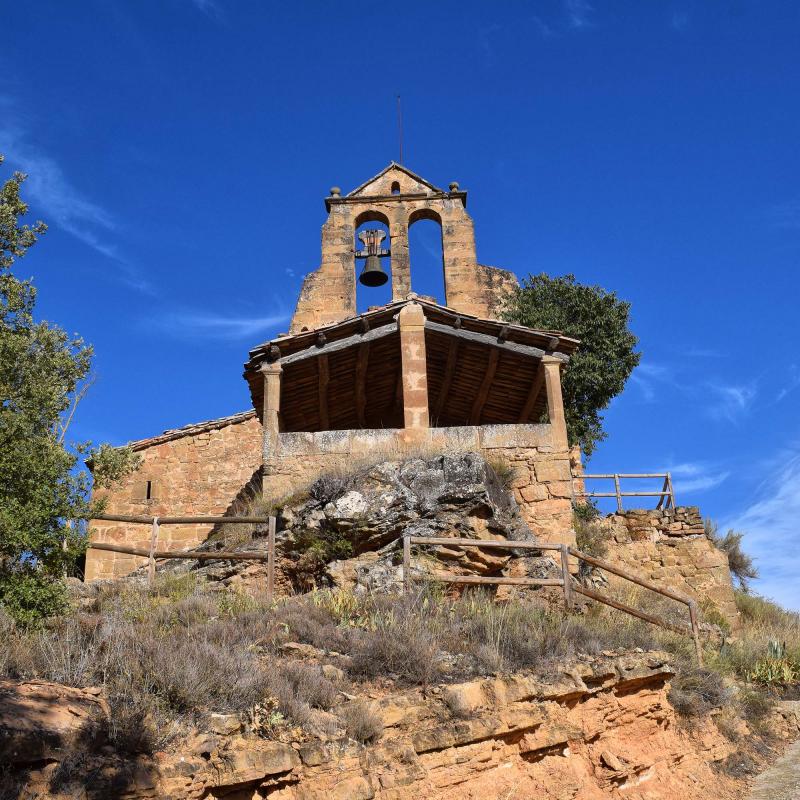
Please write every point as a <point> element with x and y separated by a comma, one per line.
<point>666,497</point>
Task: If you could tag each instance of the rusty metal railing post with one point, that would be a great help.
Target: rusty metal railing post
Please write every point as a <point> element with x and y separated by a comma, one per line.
<point>151,564</point>
<point>698,648</point>
<point>567,578</point>
<point>271,560</point>
<point>406,562</point>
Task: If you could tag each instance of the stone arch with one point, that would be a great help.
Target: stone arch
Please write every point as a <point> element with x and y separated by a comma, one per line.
<point>371,296</point>
<point>427,268</point>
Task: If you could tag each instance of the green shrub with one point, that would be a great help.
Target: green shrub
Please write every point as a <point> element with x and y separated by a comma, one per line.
<point>29,595</point>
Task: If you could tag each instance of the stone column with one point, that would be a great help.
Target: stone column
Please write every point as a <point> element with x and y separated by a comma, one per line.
<point>398,245</point>
<point>272,406</point>
<point>461,285</point>
<point>555,402</point>
<point>411,321</point>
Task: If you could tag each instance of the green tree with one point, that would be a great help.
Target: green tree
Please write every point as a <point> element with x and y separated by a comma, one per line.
<point>598,371</point>
<point>41,372</point>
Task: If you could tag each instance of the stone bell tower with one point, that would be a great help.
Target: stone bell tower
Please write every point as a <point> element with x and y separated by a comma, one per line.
<point>397,198</point>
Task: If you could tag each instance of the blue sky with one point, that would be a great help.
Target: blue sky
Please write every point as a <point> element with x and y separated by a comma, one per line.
<point>180,152</point>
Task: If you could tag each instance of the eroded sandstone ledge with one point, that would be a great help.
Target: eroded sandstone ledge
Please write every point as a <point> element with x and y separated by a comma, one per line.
<point>599,728</point>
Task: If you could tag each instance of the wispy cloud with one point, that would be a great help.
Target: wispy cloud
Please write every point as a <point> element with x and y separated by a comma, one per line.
<point>791,385</point>
<point>647,376</point>
<point>729,401</point>
<point>720,400</point>
<point>197,324</point>
<point>578,13</point>
<point>771,530</point>
<point>695,477</point>
<point>61,203</point>
<point>679,20</point>
<point>210,8</point>
<point>543,27</point>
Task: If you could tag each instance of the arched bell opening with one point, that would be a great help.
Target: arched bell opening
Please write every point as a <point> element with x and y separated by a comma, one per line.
<point>372,262</point>
<point>426,254</point>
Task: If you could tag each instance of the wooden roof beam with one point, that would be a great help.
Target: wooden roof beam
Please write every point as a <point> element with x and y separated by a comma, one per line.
<point>327,347</point>
<point>495,342</point>
<point>447,378</point>
<point>486,385</point>
<point>361,381</point>
<point>323,376</point>
<point>533,395</point>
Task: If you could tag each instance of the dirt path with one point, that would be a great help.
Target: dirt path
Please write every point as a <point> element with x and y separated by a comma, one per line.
<point>782,780</point>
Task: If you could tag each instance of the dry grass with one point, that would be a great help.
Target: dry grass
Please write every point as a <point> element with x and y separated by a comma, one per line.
<point>361,722</point>
<point>169,656</point>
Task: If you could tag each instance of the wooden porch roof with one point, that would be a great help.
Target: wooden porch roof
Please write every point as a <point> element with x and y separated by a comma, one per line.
<point>348,375</point>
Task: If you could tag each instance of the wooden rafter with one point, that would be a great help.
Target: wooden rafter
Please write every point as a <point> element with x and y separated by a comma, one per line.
<point>533,394</point>
<point>447,378</point>
<point>486,385</point>
<point>496,342</point>
<point>322,372</point>
<point>361,382</point>
<point>329,347</point>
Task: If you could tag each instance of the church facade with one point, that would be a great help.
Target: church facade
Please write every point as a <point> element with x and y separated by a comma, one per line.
<point>342,387</point>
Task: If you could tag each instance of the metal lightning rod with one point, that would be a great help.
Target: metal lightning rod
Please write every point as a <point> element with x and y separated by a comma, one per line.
<point>400,127</point>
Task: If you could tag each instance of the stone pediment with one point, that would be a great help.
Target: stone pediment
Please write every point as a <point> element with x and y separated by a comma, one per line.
<point>408,181</point>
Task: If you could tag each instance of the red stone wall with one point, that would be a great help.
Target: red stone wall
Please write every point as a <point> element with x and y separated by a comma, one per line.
<point>202,472</point>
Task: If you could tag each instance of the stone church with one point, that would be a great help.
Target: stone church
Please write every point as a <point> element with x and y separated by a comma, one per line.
<point>409,376</point>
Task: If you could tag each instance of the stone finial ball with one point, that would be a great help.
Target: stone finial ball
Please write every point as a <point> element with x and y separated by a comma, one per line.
<point>335,191</point>
<point>454,186</point>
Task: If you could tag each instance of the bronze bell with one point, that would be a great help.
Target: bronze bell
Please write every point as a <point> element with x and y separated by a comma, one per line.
<point>373,274</point>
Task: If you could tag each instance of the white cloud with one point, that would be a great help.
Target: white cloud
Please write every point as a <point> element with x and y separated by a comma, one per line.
<point>772,532</point>
<point>578,13</point>
<point>647,375</point>
<point>679,20</point>
<point>62,204</point>
<point>724,402</point>
<point>192,325</point>
<point>695,477</point>
<point>210,8</point>
<point>791,385</point>
<point>728,401</point>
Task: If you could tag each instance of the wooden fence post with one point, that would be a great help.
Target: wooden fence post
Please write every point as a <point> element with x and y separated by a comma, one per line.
<point>618,493</point>
<point>406,561</point>
<point>151,566</point>
<point>271,560</point>
<point>567,578</point>
<point>671,490</point>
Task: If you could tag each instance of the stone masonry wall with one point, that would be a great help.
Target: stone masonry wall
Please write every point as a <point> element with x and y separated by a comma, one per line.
<point>670,547</point>
<point>196,473</point>
<point>540,479</point>
<point>329,293</point>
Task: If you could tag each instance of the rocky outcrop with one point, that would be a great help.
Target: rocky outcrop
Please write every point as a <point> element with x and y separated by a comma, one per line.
<point>345,531</point>
<point>598,728</point>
